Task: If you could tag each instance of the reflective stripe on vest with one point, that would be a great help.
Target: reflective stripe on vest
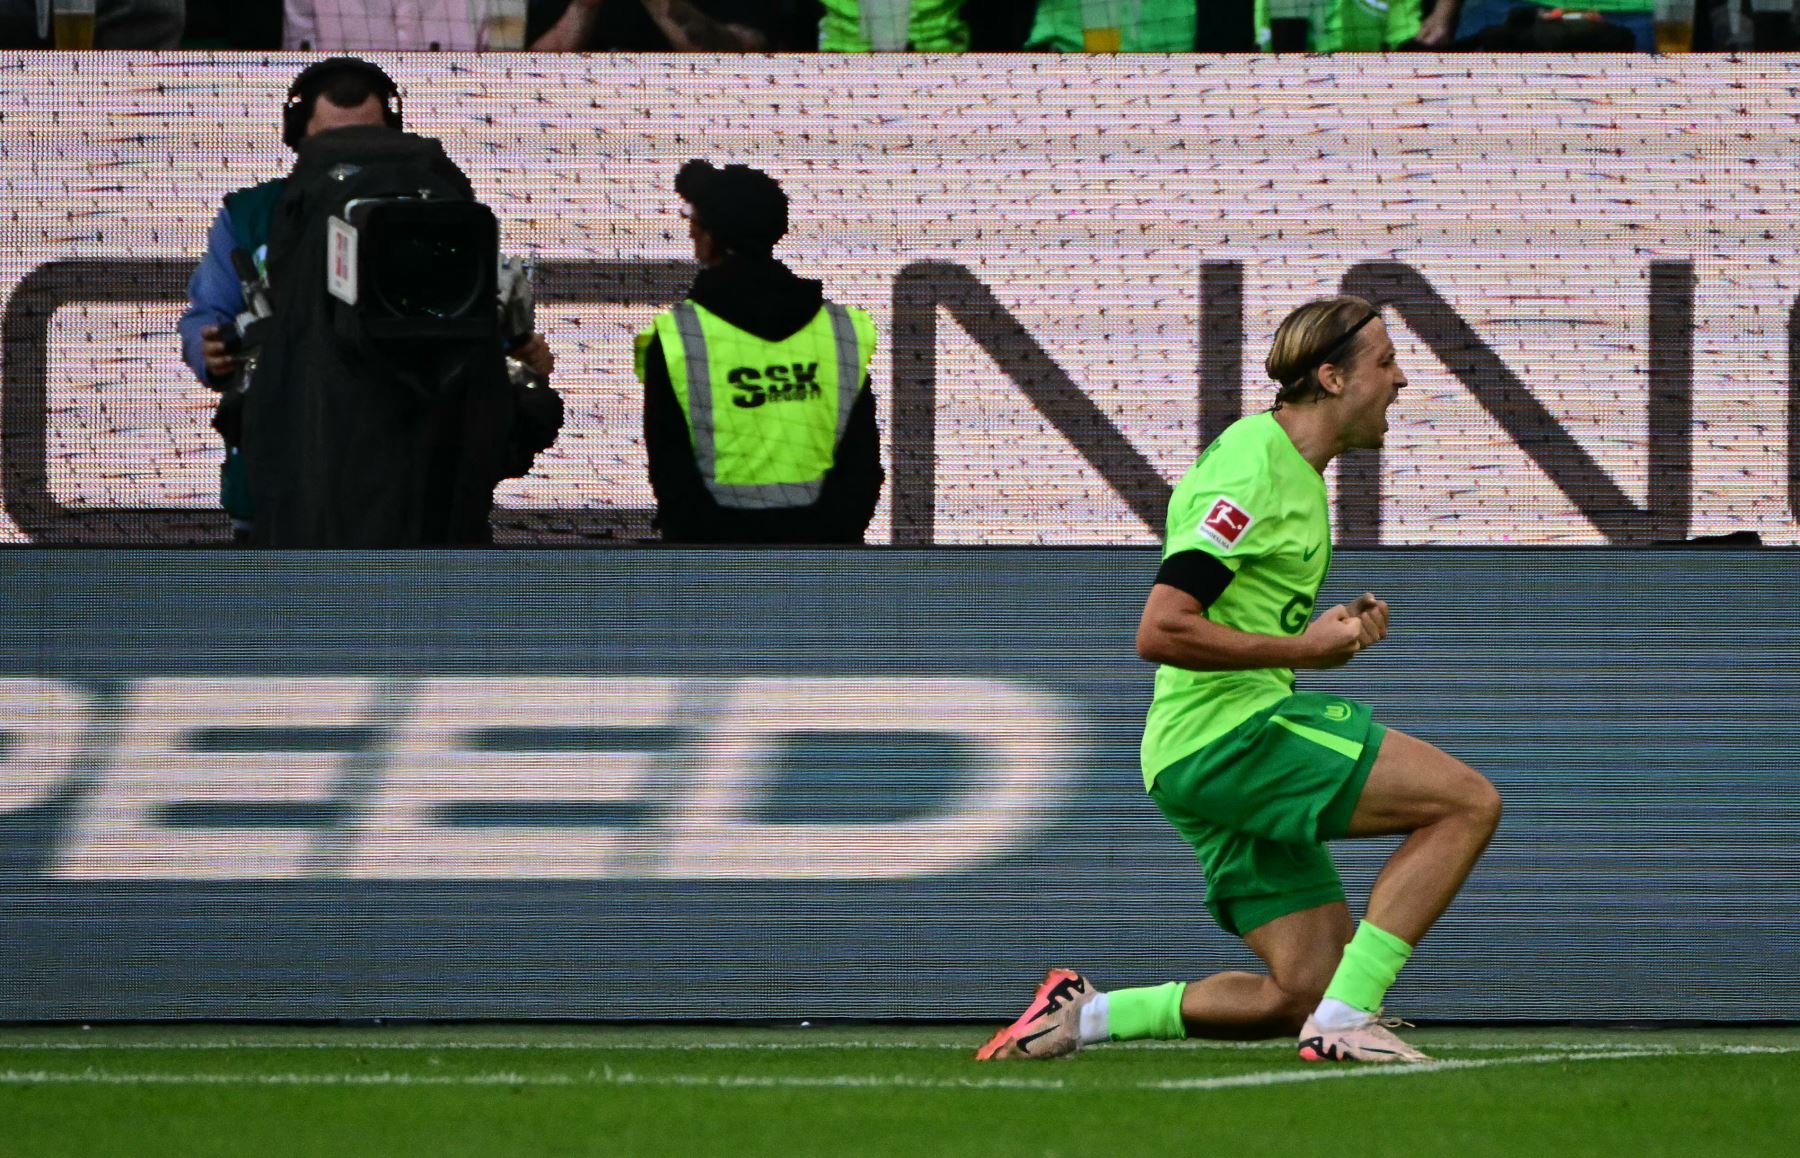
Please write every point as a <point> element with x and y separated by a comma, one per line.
<point>703,424</point>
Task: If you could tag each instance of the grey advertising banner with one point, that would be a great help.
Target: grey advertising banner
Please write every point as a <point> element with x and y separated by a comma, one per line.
<point>839,784</point>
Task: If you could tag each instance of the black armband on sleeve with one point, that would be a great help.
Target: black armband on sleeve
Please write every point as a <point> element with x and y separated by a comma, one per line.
<point>1197,573</point>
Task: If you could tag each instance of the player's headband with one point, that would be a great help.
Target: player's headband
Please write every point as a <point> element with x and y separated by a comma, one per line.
<point>1336,349</point>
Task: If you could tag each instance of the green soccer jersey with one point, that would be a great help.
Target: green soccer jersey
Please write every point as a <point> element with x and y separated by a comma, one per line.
<point>1363,25</point>
<point>1257,506</point>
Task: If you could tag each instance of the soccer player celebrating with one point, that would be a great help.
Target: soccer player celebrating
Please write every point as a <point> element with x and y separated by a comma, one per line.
<point>1256,776</point>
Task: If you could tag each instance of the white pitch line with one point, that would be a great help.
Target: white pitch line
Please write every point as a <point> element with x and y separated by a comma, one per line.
<point>606,1077</point>
<point>1326,1073</point>
<point>602,1044</point>
<point>104,1078</point>
<point>823,1043</point>
<point>453,1046</point>
<point>610,1077</point>
<point>1291,1077</point>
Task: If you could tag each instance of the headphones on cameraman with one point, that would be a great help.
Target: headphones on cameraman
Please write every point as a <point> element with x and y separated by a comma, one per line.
<point>307,88</point>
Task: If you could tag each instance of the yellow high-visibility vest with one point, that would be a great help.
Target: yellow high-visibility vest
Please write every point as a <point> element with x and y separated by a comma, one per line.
<point>765,417</point>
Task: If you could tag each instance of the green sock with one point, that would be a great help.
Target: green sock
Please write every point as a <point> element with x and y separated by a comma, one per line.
<point>1153,1012</point>
<point>1372,960</point>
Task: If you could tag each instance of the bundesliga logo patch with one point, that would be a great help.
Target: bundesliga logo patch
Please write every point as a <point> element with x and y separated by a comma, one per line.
<point>1226,523</point>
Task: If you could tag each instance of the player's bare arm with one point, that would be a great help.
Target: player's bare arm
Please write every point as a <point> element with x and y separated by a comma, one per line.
<point>1174,630</point>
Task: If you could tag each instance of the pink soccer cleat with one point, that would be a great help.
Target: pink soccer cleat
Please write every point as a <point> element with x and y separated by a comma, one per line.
<point>1051,1024</point>
<point>1366,1041</point>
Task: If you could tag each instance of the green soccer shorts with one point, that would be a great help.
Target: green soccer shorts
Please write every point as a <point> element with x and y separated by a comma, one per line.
<point>1259,802</point>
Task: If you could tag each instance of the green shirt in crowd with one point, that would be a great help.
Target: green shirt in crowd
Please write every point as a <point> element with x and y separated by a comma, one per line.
<point>1172,25</point>
<point>1363,25</point>
<point>1114,26</point>
<point>859,25</point>
<point>1351,25</point>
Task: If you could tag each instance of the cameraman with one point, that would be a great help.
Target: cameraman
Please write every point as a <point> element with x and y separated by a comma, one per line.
<point>335,93</point>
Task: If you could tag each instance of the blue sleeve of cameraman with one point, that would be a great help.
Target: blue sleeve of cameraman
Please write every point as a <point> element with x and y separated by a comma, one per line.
<point>215,296</point>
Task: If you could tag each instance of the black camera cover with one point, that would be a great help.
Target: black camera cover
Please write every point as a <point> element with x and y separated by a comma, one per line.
<point>388,422</point>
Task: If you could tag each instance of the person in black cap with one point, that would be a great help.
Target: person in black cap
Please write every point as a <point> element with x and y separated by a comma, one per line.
<point>758,418</point>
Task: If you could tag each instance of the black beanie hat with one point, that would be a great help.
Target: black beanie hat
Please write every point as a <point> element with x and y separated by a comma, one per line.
<point>743,208</point>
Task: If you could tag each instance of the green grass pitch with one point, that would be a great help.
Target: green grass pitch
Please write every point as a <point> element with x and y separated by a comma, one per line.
<point>846,1090</point>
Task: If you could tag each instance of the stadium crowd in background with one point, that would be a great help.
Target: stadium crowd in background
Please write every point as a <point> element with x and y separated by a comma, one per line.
<point>914,25</point>
<point>663,26</point>
<point>1512,25</point>
<point>122,24</point>
<point>387,26</point>
<point>552,26</point>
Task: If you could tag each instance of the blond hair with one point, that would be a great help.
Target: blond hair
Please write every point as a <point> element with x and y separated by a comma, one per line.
<point>1314,335</point>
